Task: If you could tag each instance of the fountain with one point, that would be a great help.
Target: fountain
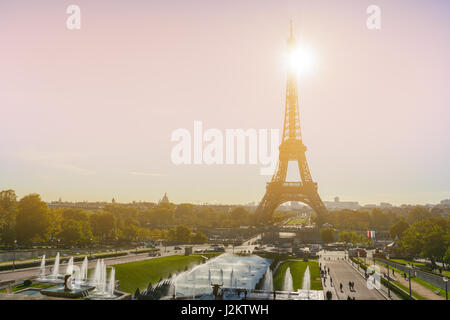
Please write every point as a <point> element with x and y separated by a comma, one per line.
<point>227,272</point>
<point>83,275</point>
<point>288,283</point>
<point>55,272</point>
<point>231,278</point>
<point>76,282</point>
<point>103,288</point>
<point>42,268</point>
<point>69,269</point>
<point>112,282</point>
<point>95,280</point>
<point>268,281</point>
<point>306,280</point>
<point>76,277</point>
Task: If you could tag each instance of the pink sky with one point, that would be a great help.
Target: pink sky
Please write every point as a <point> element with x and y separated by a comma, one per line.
<point>88,114</point>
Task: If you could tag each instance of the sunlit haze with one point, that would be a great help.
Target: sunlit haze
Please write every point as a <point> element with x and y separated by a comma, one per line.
<point>88,114</point>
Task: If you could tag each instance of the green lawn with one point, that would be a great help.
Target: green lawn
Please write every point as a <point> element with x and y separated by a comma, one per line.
<point>406,289</point>
<point>297,221</point>
<point>133,275</point>
<point>429,286</point>
<point>403,261</point>
<point>297,271</point>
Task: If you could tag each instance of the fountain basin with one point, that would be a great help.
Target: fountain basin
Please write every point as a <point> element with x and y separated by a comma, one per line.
<point>59,291</point>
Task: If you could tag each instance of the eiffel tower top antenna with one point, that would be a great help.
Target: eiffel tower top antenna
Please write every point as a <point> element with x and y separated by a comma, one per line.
<point>291,35</point>
<point>291,31</point>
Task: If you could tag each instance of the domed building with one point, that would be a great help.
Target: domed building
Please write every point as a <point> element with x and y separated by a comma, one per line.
<point>165,199</point>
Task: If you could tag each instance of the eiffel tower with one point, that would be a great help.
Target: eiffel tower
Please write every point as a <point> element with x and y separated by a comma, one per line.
<point>278,190</point>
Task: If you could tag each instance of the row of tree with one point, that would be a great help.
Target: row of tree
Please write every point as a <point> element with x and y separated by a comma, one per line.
<point>427,238</point>
<point>376,219</point>
<point>30,220</point>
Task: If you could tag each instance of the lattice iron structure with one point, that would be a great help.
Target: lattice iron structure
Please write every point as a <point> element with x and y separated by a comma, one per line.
<point>278,190</point>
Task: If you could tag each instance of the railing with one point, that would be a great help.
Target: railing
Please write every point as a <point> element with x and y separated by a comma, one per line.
<point>292,184</point>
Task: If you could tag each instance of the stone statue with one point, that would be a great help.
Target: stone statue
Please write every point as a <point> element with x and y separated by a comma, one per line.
<point>218,295</point>
<point>67,284</point>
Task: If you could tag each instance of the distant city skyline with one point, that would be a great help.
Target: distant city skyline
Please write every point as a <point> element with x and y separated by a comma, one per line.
<point>327,202</point>
<point>88,114</point>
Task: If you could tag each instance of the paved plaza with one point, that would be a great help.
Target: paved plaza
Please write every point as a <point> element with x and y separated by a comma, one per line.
<point>342,272</point>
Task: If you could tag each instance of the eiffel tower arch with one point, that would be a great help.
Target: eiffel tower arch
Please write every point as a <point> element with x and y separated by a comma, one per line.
<point>278,190</point>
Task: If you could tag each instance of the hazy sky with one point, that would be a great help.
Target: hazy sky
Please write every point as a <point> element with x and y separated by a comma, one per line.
<point>88,114</point>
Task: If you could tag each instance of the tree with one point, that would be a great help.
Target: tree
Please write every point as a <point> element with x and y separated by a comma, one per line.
<point>398,228</point>
<point>427,238</point>
<point>350,237</point>
<point>56,219</point>
<point>102,224</point>
<point>344,236</point>
<point>32,219</point>
<point>184,213</point>
<point>199,238</point>
<point>379,220</point>
<point>327,235</point>
<point>182,234</point>
<point>128,229</point>
<point>71,231</point>
<point>447,256</point>
<point>8,211</point>
<point>417,213</point>
<point>239,216</point>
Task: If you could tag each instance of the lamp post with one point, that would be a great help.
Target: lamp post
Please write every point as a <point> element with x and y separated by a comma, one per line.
<point>90,247</point>
<point>445,280</point>
<point>389,281</point>
<point>409,278</point>
<point>14,255</point>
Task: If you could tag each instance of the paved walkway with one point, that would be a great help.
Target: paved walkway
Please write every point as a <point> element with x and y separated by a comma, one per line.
<point>417,288</point>
<point>342,272</point>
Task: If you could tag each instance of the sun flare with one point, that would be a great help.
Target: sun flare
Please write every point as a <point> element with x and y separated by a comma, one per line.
<point>302,60</point>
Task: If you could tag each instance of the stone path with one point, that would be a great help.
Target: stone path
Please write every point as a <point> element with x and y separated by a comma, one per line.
<point>417,288</point>
<point>342,272</point>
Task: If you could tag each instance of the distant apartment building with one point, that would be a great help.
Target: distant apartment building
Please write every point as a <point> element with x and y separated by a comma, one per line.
<point>385,205</point>
<point>340,205</point>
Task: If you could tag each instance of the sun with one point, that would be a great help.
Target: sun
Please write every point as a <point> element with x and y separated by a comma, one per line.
<point>301,60</point>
